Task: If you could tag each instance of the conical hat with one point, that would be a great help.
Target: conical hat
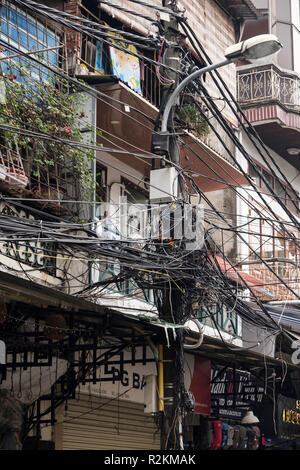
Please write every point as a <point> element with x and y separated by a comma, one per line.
<point>249,418</point>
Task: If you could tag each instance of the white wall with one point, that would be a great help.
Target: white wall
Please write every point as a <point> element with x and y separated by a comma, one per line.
<point>260,3</point>
<point>291,173</point>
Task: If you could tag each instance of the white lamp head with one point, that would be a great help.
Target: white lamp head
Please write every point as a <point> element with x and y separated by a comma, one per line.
<point>254,48</point>
<point>293,150</point>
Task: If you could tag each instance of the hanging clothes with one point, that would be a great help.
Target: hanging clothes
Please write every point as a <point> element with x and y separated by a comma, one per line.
<point>240,438</point>
<point>225,428</point>
<point>217,435</point>
<point>253,433</point>
<point>230,436</point>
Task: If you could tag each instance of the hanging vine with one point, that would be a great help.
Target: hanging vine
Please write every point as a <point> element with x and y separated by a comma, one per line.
<point>42,120</point>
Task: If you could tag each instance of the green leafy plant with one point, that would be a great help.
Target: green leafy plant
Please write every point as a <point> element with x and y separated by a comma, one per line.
<point>52,144</point>
<point>193,118</point>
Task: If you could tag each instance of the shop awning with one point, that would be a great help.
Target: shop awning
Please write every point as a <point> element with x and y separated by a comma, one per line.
<point>283,315</point>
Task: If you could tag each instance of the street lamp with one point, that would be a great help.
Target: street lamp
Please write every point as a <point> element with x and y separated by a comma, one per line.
<point>250,49</point>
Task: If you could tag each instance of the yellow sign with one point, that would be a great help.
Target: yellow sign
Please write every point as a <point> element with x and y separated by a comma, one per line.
<point>291,416</point>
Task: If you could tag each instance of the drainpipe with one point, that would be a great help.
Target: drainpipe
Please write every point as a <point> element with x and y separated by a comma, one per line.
<point>270,16</point>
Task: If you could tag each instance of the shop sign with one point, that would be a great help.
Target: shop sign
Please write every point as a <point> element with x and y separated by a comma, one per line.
<point>288,417</point>
<point>233,392</point>
<point>40,255</point>
<point>123,376</point>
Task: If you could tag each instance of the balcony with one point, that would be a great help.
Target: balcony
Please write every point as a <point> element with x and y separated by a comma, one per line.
<point>270,98</point>
<point>268,84</point>
<point>102,63</point>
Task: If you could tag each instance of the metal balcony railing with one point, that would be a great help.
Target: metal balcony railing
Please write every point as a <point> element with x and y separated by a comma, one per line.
<point>96,59</point>
<point>268,83</point>
<point>217,314</point>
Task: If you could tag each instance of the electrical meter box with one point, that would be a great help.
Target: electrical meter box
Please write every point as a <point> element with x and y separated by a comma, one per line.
<point>164,185</point>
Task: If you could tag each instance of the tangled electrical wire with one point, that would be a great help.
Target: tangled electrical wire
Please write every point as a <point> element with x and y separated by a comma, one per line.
<point>161,263</point>
<point>155,266</point>
<point>181,280</point>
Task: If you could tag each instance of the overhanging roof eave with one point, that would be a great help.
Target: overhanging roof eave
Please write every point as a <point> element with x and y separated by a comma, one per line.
<point>239,9</point>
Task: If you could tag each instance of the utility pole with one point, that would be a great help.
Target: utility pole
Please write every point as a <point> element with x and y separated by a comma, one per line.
<point>171,59</point>
<point>172,301</point>
<point>176,306</point>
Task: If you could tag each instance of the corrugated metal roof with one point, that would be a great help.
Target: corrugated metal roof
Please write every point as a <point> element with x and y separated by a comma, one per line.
<point>282,314</point>
<point>239,8</point>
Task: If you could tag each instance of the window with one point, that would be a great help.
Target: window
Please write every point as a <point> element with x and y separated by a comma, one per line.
<point>135,194</point>
<point>279,189</point>
<point>267,181</point>
<point>281,255</point>
<point>137,200</point>
<point>267,240</point>
<point>261,236</point>
<point>290,199</point>
<point>254,238</point>
<point>254,174</point>
<point>101,183</point>
<point>25,33</point>
<point>259,176</point>
<point>264,180</point>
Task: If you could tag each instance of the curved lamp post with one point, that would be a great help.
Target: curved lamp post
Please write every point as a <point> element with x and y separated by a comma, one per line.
<point>250,49</point>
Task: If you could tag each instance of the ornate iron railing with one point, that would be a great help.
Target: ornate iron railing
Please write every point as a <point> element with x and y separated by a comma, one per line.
<point>225,318</point>
<point>268,83</point>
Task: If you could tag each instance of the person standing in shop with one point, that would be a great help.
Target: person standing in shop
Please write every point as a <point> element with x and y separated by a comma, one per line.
<point>250,423</point>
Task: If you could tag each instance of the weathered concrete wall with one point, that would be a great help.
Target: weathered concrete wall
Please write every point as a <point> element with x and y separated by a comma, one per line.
<point>213,28</point>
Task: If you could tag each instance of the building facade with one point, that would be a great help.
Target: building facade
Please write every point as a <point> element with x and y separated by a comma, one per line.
<point>88,303</point>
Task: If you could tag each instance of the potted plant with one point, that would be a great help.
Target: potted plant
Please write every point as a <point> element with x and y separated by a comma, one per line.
<point>193,119</point>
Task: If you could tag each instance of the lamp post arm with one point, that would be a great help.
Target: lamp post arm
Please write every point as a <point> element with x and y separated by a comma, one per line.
<point>190,78</point>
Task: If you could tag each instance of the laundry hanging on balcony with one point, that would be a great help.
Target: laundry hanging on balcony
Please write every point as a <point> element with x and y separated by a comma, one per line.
<point>124,65</point>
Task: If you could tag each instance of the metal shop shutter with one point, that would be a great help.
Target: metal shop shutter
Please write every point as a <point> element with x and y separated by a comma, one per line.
<point>92,423</point>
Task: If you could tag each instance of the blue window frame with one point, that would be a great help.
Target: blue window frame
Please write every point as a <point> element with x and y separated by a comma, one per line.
<point>25,33</point>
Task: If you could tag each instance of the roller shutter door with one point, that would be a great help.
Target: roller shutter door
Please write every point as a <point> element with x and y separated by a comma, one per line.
<point>92,423</point>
